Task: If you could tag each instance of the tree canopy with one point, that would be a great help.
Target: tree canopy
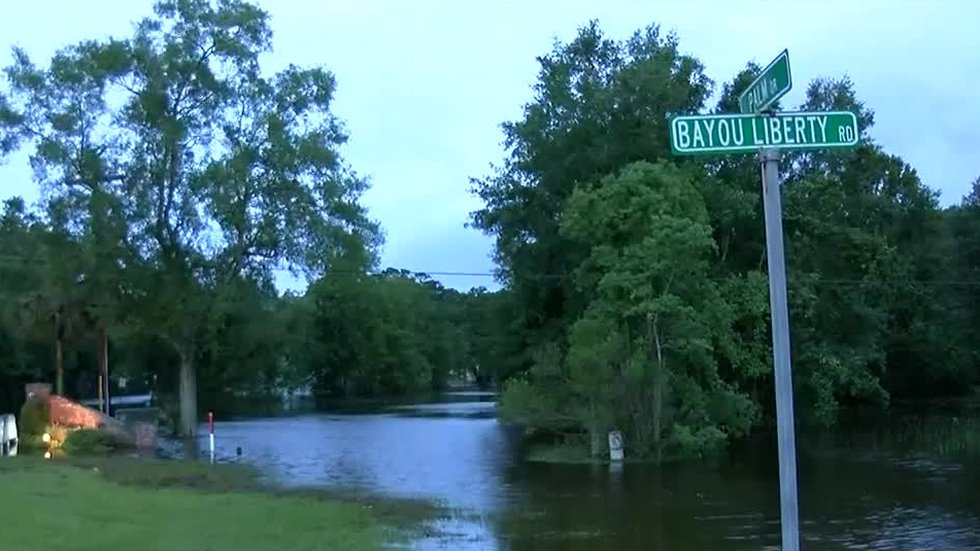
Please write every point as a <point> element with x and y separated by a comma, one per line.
<point>170,155</point>
<point>642,277</point>
<point>180,178</point>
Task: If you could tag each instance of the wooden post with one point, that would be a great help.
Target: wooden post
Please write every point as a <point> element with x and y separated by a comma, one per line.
<point>104,368</point>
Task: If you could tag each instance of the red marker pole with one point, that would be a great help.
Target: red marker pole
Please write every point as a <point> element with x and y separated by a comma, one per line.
<point>211,434</point>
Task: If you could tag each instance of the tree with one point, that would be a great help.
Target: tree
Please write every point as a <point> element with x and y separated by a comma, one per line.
<point>390,333</point>
<point>650,261</point>
<point>242,348</point>
<point>19,354</point>
<point>643,353</point>
<point>867,250</point>
<point>217,171</point>
<point>62,112</point>
<point>961,312</point>
<point>598,105</point>
<point>44,294</point>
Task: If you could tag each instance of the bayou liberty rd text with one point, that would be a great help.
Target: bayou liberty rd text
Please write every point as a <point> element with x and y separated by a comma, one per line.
<point>695,134</point>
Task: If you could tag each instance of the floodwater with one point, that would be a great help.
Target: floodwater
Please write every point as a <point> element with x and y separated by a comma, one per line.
<point>904,486</point>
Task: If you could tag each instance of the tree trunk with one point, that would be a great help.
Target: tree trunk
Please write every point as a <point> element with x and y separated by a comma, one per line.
<point>659,377</point>
<point>726,240</point>
<point>104,368</point>
<point>595,442</point>
<point>59,367</point>
<point>188,395</point>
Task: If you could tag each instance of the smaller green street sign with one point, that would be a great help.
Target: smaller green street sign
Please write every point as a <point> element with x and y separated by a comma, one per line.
<point>721,134</point>
<point>769,86</point>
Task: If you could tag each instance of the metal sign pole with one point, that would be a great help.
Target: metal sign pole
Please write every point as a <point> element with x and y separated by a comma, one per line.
<point>789,510</point>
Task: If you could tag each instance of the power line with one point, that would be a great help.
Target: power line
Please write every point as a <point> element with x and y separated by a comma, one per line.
<point>844,282</point>
<point>446,274</point>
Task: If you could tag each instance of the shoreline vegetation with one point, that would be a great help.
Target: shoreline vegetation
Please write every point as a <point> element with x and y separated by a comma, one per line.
<point>940,427</point>
<point>571,454</point>
<point>113,502</point>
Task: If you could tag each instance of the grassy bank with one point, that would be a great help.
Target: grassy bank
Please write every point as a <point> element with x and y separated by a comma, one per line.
<point>123,504</point>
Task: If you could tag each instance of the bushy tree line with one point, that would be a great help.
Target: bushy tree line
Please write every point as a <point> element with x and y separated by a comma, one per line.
<point>352,333</point>
<point>640,278</point>
<point>178,176</point>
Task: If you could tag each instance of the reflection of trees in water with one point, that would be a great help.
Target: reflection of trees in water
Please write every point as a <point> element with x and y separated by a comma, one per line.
<point>637,508</point>
<point>849,496</point>
<point>950,436</point>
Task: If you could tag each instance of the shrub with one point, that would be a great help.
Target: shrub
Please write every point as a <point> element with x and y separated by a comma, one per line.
<point>89,442</point>
<point>687,442</point>
<point>34,418</point>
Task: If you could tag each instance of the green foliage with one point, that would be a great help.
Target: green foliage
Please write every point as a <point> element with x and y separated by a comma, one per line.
<point>390,333</point>
<point>687,442</point>
<point>649,278</point>
<point>180,177</point>
<point>200,172</point>
<point>34,419</point>
<point>89,442</point>
<point>597,106</point>
<point>643,356</point>
<point>522,401</point>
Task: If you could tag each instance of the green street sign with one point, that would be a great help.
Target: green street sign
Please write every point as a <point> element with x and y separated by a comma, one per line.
<point>707,134</point>
<point>771,85</point>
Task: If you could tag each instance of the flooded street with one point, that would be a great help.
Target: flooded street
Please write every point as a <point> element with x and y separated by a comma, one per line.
<point>859,491</point>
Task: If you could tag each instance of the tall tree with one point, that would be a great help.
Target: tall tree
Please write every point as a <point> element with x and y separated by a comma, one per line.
<point>961,314</point>
<point>598,104</point>
<point>220,171</point>
<point>867,250</point>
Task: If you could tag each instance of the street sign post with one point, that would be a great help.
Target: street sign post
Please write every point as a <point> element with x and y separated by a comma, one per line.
<point>714,134</point>
<point>768,133</point>
<point>772,84</point>
<point>789,514</point>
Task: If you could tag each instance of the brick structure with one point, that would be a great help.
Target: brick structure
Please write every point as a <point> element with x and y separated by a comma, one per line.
<point>145,435</point>
<point>142,424</point>
<point>37,391</point>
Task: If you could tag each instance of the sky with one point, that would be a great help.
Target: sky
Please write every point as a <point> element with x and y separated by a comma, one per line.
<point>424,85</point>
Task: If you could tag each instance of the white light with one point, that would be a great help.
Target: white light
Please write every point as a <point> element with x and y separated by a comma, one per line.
<point>46,438</point>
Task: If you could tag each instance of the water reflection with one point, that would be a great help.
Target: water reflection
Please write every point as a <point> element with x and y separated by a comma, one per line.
<point>456,461</point>
<point>457,454</point>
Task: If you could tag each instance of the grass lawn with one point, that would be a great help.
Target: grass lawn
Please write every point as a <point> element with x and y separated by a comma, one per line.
<point>123,505</point>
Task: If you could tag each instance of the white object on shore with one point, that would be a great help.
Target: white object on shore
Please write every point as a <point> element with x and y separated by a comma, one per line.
<point>8,435</point>
<point>616,446</point>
